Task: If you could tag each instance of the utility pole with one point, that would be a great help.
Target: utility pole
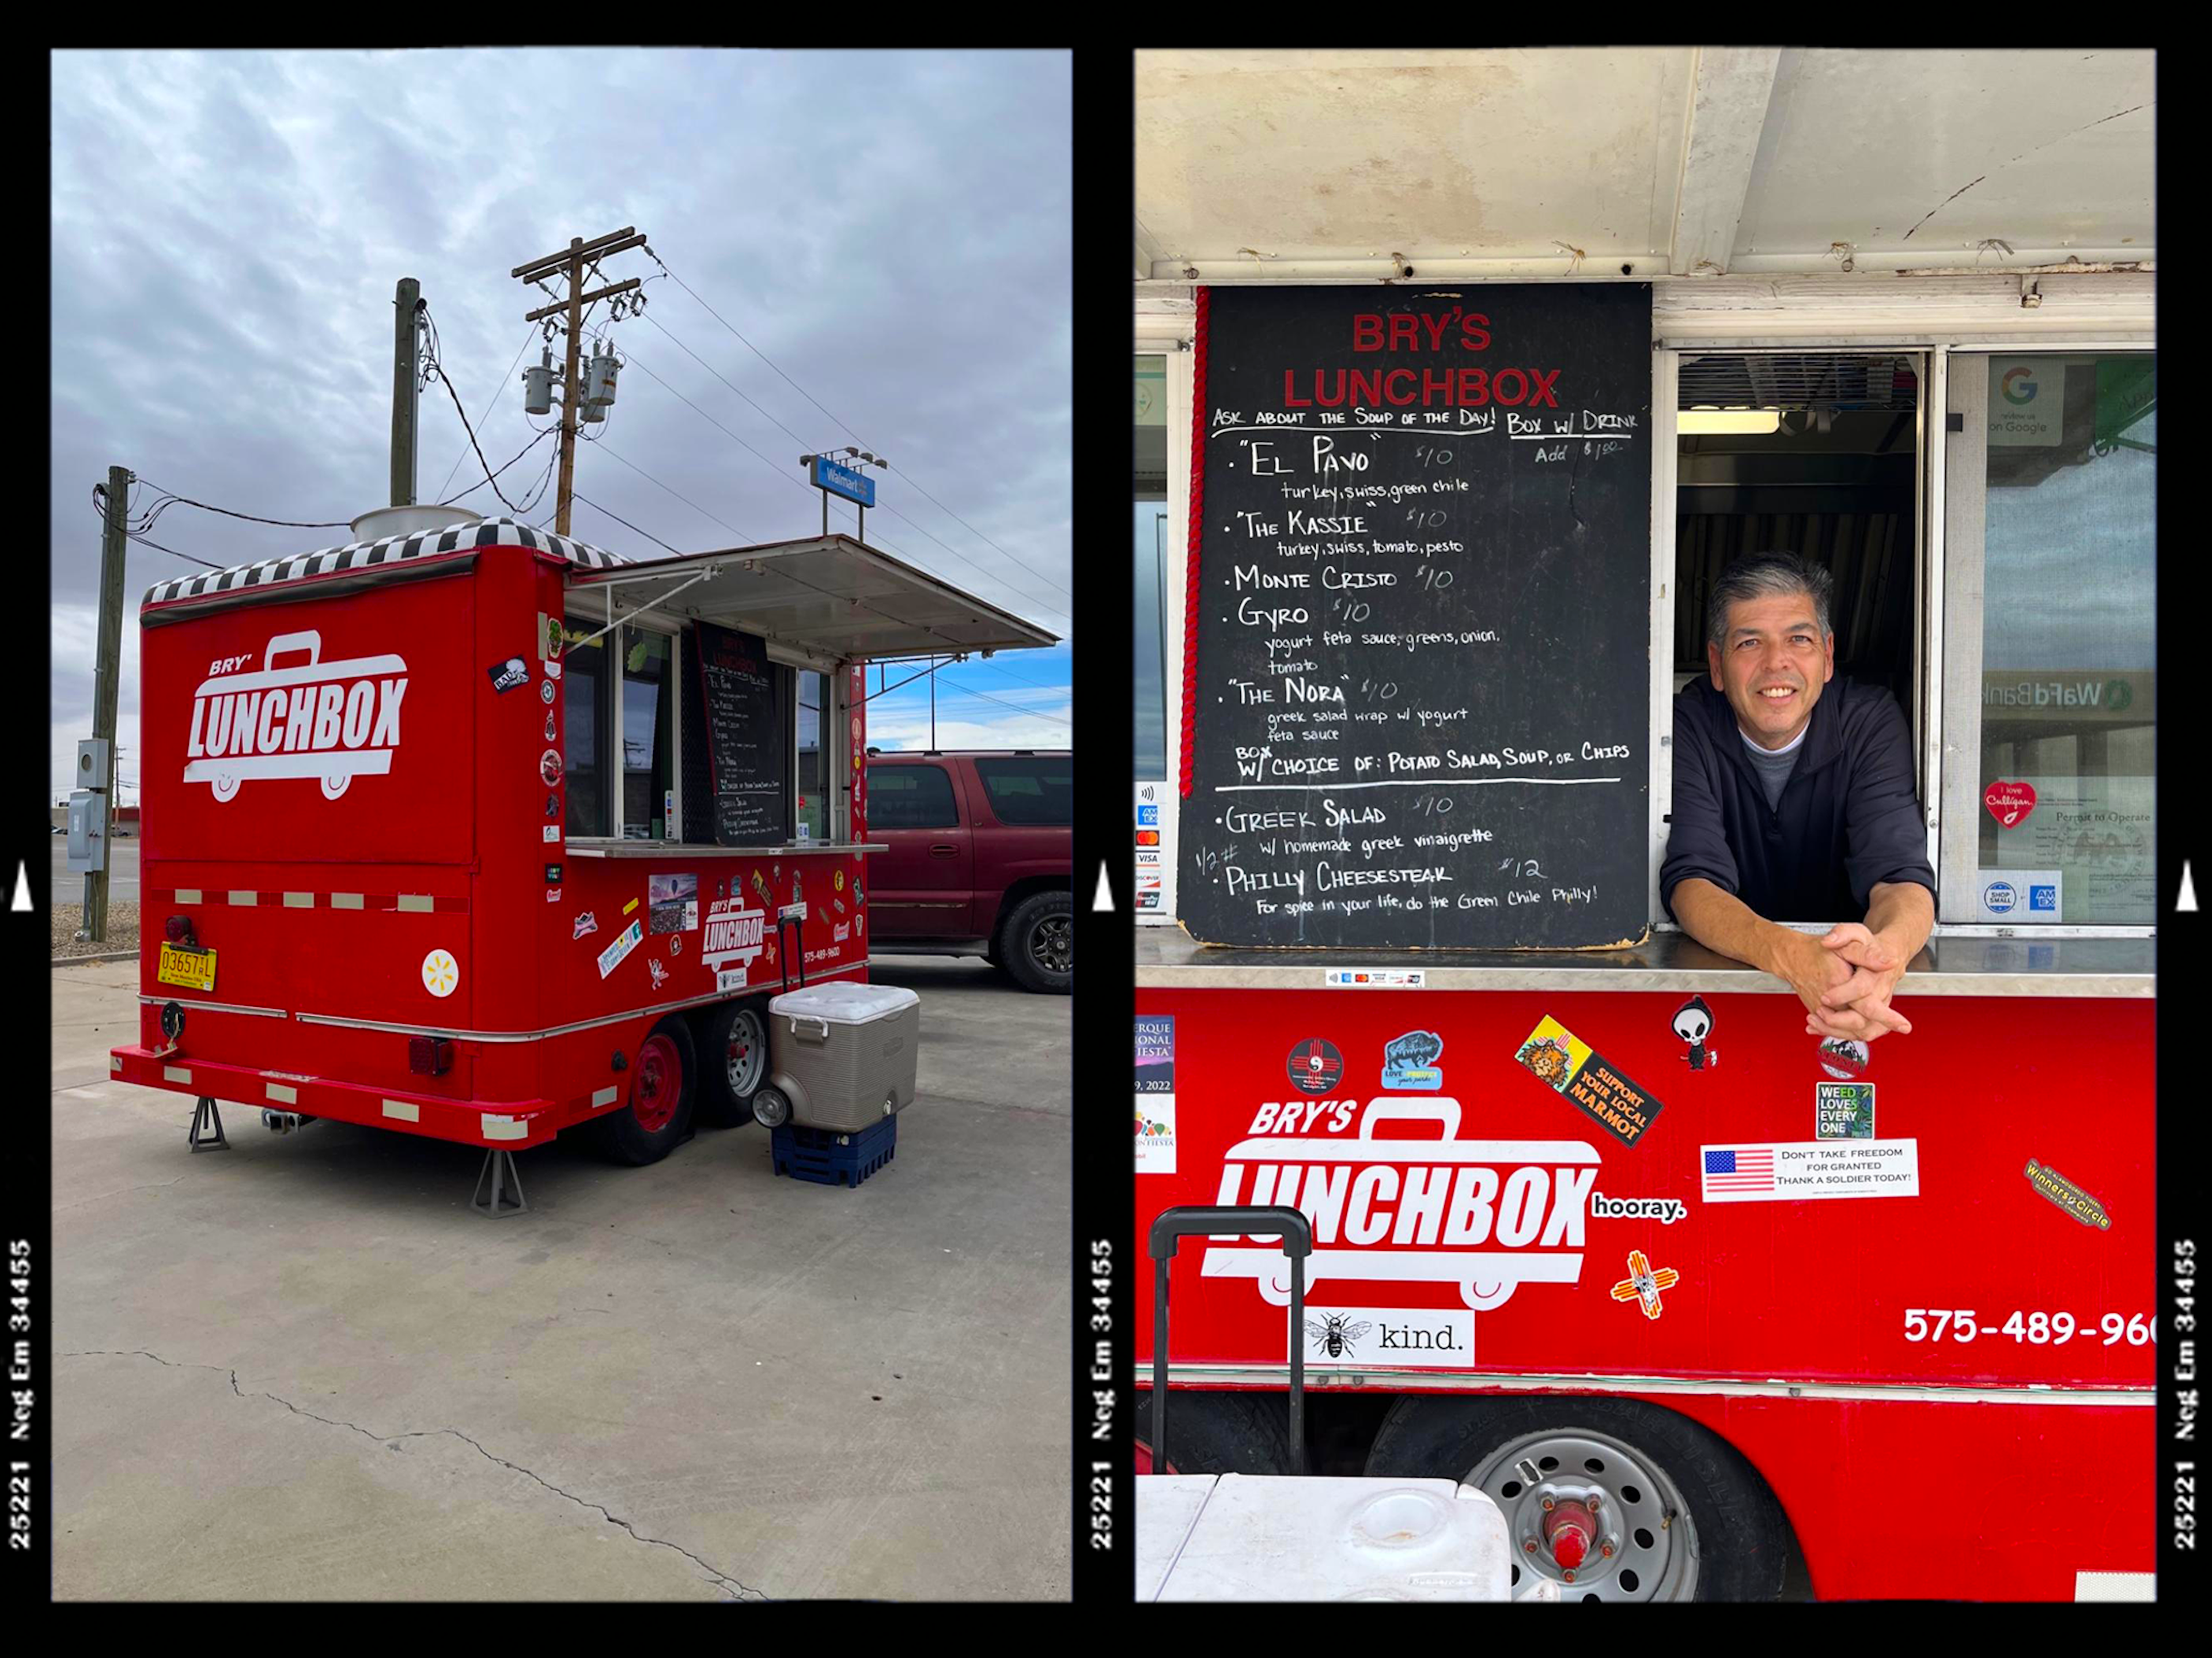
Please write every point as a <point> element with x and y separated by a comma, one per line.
<point>406,386</point>
<point>108,670</point>
<point>571,262</point>
<point>932,704</point>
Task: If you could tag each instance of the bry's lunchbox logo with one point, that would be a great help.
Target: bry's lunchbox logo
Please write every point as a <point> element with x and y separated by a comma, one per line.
<point>1484,1216</point>
<point>333,721</point>
<point>734,933</point>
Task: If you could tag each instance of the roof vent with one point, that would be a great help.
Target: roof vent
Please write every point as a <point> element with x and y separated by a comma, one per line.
<point>384,521</point>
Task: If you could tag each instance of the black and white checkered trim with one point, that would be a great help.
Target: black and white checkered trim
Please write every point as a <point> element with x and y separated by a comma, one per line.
<point>392,549</point>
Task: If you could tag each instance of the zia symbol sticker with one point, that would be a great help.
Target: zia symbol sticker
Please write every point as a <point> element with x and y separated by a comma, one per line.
<point>440,974</point>
<point>1644,1284</point>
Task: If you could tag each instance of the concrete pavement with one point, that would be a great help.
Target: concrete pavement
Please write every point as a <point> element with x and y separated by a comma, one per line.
<point>303,1370</point>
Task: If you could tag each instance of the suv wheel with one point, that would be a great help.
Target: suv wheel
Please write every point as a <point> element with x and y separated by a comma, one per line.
<point>1036,944</point>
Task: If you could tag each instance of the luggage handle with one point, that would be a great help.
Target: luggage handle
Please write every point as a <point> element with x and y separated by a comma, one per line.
<point>1295,1233</point>
<point>310,641</point>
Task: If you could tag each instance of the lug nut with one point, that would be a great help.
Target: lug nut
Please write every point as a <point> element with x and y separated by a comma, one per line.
<point>1606,1549</point>
<point>1547,1505</point>
<point>1571,1577</point>
<point>1530,1545</point>
<point>1593,1502</point>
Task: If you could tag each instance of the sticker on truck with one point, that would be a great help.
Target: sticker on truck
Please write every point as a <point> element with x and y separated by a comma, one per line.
<point>332,721</point>
<point>1484,1216</point>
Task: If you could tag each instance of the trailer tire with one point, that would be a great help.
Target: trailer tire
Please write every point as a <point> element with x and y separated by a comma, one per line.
<point>1035,945</point>
<point>664,1082</point>
<point>1220,1433</point>
<point>1737,1541</point>
<point>725,1099</point>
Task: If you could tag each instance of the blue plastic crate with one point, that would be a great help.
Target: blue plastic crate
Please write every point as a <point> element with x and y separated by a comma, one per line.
<point>815,1154</point>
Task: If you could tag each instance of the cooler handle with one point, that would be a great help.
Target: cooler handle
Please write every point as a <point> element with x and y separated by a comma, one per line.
<point>310,641</point>
<point>1296,1233</point>
<point>822,1027</point>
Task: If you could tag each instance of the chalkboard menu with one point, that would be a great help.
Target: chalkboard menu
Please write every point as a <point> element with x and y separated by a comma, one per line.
<point>741,697</point>
<point>1421,711</point>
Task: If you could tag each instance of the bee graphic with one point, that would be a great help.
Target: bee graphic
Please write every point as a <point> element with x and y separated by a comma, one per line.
<point>1333,1336</point>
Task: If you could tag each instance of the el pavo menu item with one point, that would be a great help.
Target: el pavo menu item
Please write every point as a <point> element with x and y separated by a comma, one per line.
<point>1417,715</point>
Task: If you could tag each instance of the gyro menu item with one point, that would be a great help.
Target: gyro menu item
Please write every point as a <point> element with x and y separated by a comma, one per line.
<point>1420,712</point>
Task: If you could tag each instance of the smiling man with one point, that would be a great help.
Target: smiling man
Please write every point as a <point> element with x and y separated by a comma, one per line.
<point>1793,802</point>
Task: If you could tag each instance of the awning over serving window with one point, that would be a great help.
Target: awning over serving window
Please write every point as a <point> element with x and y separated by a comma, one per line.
<point>828,598</point>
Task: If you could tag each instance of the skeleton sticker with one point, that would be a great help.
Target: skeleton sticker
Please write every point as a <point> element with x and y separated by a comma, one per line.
<point>1693,1022</point>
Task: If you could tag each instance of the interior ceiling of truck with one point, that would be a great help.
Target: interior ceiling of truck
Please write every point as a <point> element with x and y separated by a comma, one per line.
<point>1678,160</point>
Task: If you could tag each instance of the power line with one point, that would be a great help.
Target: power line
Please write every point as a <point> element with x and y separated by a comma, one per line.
<point>849,431</point>
<point>961,690</point>
<point>488,396</point>
<point>579,496</point>
<point>679,495</point>
<point>798,485</point>
<point>436,370</point>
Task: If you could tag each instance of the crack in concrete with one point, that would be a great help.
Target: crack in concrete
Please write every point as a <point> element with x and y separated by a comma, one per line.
<point>121,1191</point>
<point>2022,156</point>
<point>731,1586</point>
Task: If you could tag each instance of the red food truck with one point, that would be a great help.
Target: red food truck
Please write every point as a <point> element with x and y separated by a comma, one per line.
<point>482,834</point>
<point>1708,1304</point>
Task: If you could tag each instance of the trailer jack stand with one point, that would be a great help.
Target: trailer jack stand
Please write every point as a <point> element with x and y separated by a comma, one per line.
<point>206,1115</point>
<point>506,1185</point>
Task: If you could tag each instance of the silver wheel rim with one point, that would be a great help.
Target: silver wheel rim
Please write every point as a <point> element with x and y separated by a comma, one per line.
<point>1052,942</point>
<point>1640,1513</point>
<point>745,1060</point>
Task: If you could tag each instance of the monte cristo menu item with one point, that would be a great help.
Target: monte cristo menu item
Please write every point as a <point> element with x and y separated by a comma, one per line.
<point>739,691</point>
<point>1420,708</point>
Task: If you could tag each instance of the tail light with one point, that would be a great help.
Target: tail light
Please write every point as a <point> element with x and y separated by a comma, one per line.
<point>429,1056</point>
<point>179,930</point>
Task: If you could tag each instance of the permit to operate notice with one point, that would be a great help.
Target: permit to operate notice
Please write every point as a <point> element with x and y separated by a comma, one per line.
<point>193,969</point>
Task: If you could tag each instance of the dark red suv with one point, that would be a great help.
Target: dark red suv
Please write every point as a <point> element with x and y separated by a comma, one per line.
<point>982,858</point>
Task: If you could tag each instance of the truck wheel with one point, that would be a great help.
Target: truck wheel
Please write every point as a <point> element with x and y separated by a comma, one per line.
<point>1037,942</point>
<point>735,1044</point>
<point>1220,1433</point>
<point>657,1117</point>
<point>1685,1517</point>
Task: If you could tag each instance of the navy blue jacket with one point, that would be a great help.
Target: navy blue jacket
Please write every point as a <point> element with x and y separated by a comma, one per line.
<point>1847,817</point>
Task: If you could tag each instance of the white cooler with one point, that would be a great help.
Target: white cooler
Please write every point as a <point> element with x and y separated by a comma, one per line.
<point>842,1053</point>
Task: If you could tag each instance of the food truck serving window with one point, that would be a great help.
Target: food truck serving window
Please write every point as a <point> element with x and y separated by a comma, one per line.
<point>648,735</point>
<point>812,815</point>
<point>638,801</point>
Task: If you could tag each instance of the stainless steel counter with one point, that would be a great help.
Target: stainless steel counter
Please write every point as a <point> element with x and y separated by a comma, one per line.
<point>1168,958</point>
<point>695,849</point>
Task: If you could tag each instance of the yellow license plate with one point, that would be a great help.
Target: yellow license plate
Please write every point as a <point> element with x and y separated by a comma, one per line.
<point>192,967</point>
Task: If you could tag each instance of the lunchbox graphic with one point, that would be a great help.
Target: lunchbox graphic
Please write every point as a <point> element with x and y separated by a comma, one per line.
<point>1487,1215</point>
<point>332,721</point>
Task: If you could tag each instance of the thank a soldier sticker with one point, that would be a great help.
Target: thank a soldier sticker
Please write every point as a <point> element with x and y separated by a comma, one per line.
<point>1564,1062</point>
<point>440,974</point>
<point>1791,1171</point>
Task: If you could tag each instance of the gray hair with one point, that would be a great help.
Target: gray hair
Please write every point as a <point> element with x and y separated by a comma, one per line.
<point>1768,575</point>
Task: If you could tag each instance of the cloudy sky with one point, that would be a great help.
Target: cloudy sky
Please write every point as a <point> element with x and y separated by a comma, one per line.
<point>890,230</point>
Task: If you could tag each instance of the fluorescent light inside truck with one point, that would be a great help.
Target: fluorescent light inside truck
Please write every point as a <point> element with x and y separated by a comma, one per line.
<point>1728,420</point>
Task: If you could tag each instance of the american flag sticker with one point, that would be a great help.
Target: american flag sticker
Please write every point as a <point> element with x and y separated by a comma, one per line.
<point>1792,1171</point>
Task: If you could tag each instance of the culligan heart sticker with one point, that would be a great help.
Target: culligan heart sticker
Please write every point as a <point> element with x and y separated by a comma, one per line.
<point>2009,802</point>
